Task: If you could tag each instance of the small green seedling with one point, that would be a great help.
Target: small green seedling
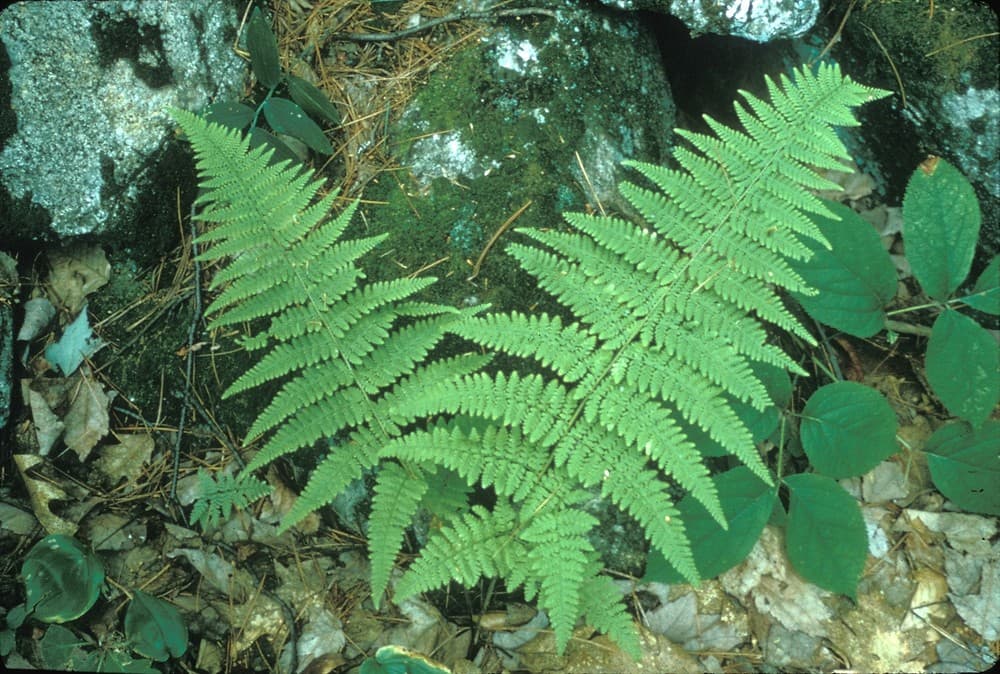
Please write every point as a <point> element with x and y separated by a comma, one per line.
<point>289,117</point>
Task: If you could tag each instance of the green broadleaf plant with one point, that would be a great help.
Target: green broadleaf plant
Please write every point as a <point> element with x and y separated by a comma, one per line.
<point>155,628</point>
<point>941,227</point>
<point>288,117</point>
<point>846,430</point>
<point>62,582</point>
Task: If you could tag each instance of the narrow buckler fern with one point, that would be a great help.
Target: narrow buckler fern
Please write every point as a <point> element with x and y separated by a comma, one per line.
<point>670,321</point>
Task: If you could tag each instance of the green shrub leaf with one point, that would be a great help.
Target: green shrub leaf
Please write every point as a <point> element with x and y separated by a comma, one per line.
<point>263,48</point>
<point>847,429</point>
<point>941,225</point>
<point>965,465</point>
<point>825,539</point>
<point>986,295</point>
<point>855,279</point>
<point>155,628</point>
<point>62,579</point>
<point>286,117</point>
<point>233,115</point>
<point>312,100</point>
<point>962,365</point>
<point>747,503</point>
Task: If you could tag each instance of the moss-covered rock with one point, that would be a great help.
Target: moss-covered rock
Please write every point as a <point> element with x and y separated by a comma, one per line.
<point>540,111</point>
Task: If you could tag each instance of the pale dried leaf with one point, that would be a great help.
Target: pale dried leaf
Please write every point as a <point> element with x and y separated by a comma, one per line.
<point>76,272</point>
<point>48,426</point>
<point>87,418</point>
<point>37,314</point>
<point>41,493</point>
<point>127,460</point>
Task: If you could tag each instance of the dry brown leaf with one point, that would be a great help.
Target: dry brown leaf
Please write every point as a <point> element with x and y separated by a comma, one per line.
<point>37,314</point>
<point>48,426</point>
<point>76,272</point>
<point>126,460</point>
<point>41,493</point>
<point>87,418</point>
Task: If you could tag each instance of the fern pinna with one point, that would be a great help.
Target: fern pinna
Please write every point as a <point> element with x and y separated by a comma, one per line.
<point>667,336</point>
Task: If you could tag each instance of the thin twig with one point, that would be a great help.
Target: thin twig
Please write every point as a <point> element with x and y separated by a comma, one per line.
<point>899,80</point>
<point>496,235</point>
<point>189,358</point>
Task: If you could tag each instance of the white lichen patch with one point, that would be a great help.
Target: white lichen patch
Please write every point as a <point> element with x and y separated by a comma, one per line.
<point>445,155</point>
<point>517,57</point>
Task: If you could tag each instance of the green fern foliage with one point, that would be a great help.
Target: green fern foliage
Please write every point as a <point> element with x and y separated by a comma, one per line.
<point>664,323</point>
<point>668,317</point>
<point>340,350</point>
<point>218,496</point>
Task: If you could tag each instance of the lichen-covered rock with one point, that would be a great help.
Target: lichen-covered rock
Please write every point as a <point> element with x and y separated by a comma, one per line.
<point>757,20</point>
<point>539,111</point>
<point>83,90</point>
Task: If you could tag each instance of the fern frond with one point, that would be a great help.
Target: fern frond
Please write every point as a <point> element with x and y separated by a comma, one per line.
<point>473,546</point>
<point>398,492</point>
<point>561,557</point>
<point>220,494</point>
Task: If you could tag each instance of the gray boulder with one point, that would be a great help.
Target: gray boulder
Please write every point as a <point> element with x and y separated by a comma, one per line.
<point>757,20</point>
<point>83,89</point>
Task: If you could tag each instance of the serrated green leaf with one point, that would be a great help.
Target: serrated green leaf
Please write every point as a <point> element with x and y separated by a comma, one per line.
<point>62,579</point>
<point>263,48</point>
<point>825,538</point>
<point>962,364</point>
<point>965,465</point>
<point>847,429</point>
<point>286,117</point>
<point>747,503</point>
<point>312,100</point>
<point>985,296</point>
<point>855,279</point>
<point>941,219</point>
<point>155,628</point>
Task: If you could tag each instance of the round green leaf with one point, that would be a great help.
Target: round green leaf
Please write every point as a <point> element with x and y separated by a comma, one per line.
<point>847,429</point>
<point>942,219</point>
<point>986,295</point>
<point>965,465</point>
<point>286,117</point>
<point>263,48</point>
<point>746,502</point>
<point>62,579</point>
<point>155,628</point>
<point>825,538</point>
<point>962,364</point>
<point>855,278</point>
